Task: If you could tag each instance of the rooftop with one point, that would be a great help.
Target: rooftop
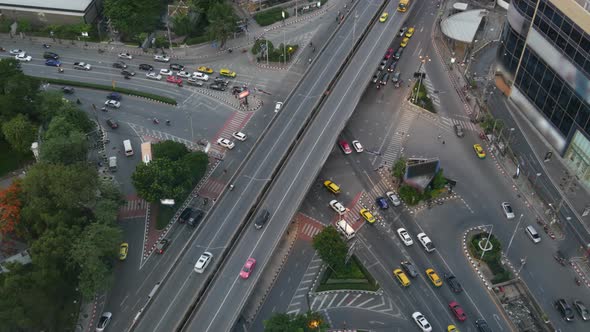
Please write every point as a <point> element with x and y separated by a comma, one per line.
<point>463,26</point>
<point>64,5</point>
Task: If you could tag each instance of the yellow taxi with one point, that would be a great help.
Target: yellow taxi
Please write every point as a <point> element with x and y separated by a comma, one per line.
<point>367,215</point>
<point>332,186</point>
<point>479,151</point>
<point>401,277</point>
<point>434,277</point>
<point>205,70</point>
<point>123,250</point>
<point>452,328</point>
<point>404,42</point>
<point>383,17</point>
<point>227,72</point>
<point>410,32</point>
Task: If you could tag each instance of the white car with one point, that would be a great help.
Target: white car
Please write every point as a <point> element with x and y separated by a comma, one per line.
<point>125,56</point>
<point>203,261</point>
<point>338,207</point>
<point>23,57</point>
<point>426,242</point>
<point>278,106</point>
<point>153,76</point>
<point>112,103</point>
<point>166,72</point>
<point>225,143</point>
<point>103,321</point>
<point>16,51</point>
<point>405,236</point>
<point>82,66</point>
<point>421,322</point>
<point>357,146</point>
<point>393,198</point>
<point>184,74</point>
<point>200,76</point>
<point>162,58</point>
<point>240,136</point>
<point>508,210</point>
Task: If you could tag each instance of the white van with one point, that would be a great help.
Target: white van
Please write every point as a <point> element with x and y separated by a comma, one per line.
<point>113,164</point>
<point>128,148</point>
<point>532,234</point>
<point>343,227</point>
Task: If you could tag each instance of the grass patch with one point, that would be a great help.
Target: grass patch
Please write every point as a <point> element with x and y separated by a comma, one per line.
<point>270,16</point>
<point>422,99</point>
<point>166,100</point>
<point>11,160</point>
<point>165,213</point>
<point>354,276</point>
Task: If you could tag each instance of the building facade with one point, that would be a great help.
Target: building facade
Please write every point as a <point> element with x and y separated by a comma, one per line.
<point>46,12</point>
<point>544,57</point>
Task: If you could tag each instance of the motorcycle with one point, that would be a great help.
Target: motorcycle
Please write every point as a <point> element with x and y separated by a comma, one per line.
<point>104,109</point>
<point>127,77</point>
<point>167,122</point>
<point>60,70</point>
<point>231,187</point>
<point>578,282</point>
<point>2,49</point>
<point>156,121</point>
<point>46,46</point>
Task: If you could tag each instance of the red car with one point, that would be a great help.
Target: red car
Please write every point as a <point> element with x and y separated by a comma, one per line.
<point>388,54</point>
<point>345,147</point>
<point>458,311</point>
<point>248,268</point>
<point>174,79</point>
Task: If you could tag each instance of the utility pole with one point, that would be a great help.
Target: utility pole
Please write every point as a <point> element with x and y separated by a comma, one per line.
<point>513,233</point>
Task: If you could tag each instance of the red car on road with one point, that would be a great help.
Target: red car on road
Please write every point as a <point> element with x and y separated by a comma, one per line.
<point>388,54</point>
<point>174,79</point>
<point>248,268</point>
<point>458,311</point>
<point>345,147</point>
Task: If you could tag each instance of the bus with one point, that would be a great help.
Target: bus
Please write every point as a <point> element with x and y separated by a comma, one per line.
<point>403,5</point>
<point>146,152</point>
<point>128,148</point>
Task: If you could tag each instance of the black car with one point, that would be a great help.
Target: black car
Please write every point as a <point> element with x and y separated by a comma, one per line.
<point>50,55</point>
<point>67,89</point>
<point>119,64</point>
<point>564,308</point>
<point>146,67</point>
<point>162,245</point>
<point>482,325</point>
<point>185,215</point>
<point>176,66</point>
<point>376,77</point>
<point>193,221</point>
<point>114,96</point>
<point>221,81</point>
<point>126,72</point>
<point>112,123</point>
<point>453,283</point>
<point>410,268</point>
<point>217,87</point>
<point>262,219</point>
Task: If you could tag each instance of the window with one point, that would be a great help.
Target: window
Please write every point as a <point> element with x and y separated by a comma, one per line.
<point>574,105</point>
<point>585,43</point>
<point>548,79</point>
<point>583,115</point>
<point>564,97</point>
<point>566,125</point>
<point>557,20</point>
<point>538,74</point>
<point>556,87</point>
<point>540,99</point>
<point>533,89</point>
<point>551,33</point>
<point>575,35</point>
<point>543,26</point>
<point>561,43</point>
<point>566,27</point>
<point>556,117</point>
<point>548,12</point>
<point>580,59</point>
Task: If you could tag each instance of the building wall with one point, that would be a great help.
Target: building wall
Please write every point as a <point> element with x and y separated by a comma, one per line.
<point>545,56</point>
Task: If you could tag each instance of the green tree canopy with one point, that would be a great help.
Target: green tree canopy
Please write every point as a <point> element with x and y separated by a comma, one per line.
<point>222,22</point>
<point>169,150</point>
<point>399,168</point>
<point>308,322</point>
<point>161,179</point>
<point>331,247</point>
<point>20,133</point>
<point>131,17</point>
<point>18,93</point>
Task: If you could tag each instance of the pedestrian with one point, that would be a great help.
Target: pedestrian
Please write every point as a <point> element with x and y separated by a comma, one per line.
<point>439,136</point>
<point>443,142</point>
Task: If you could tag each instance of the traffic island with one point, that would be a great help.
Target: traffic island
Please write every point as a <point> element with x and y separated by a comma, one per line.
<point>485,248</point>
<point>353,277</point>
<point>420,97</point>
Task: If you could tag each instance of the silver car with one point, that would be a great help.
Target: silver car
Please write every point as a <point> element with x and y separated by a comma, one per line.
<point>103,322</point>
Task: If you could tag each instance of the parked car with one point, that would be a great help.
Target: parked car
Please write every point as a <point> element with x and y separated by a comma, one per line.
<point>112,103</point>
<point>114,96</point>
<point>564,308</point>
<point>112,123</point>
<point>68,90</point>
<point>344,146</point>
<point>582,310</point>
<point>357,146</point>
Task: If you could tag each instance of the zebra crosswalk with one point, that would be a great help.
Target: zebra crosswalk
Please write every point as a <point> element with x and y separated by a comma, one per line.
<point>431,92</point>
<point>235,123</point>
<point>134,207</point>
<point>466,124</point>
<point>349,299</point>
<point>299,300</point>
<point>156,135</point>
<point>389,157</point>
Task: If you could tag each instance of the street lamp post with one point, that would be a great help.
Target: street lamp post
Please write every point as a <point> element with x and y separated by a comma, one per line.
<point>284,40</point>
<point>513,233</point>
<point>494,128</point>
<point>423,60</point>
<point>487,243</point>
<point>536,178</point>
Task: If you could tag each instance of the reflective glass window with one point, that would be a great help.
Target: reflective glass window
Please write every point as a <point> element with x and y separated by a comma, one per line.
<point>564,97</point>
<point>565,125</point>
<point>566,27</point>
<point>583,116</point>
<point>585,43</point>
<point>575,35</point>
<point>557,19</point>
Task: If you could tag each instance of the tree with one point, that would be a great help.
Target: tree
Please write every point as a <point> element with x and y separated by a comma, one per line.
<point>18,93</point>
<point>10,206</point>
<point>439,181</point>
<point>131,17</point>
<point>399,168</point>
<point>161,179</point>
<point>91,252</point>
<point>222,22</point>
<point>409,195</point>
<point>196,163</point>
<point>331,248</point>
<point>281,322</point>
<point>20,133</point>
<point>65,150</point>
<point>169,150</point>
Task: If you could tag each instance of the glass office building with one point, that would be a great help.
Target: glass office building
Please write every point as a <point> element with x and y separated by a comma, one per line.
<point>545,59</point>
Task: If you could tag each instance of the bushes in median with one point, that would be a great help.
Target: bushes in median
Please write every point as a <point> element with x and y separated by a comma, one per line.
<point>131,92</point>
<point>270,16</point>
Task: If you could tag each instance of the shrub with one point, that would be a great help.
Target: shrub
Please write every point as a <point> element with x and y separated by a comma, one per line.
<point>409,195</point>
<point>270,16</point>
<point>197,40</point>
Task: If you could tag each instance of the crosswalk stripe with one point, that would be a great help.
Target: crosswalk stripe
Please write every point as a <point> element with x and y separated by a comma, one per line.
<point>344,298</point>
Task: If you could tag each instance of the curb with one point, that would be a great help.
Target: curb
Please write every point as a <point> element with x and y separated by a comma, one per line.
<point>472,261</point>
<point>93,316</point>
<point>379,292</point>
<point>580,273</point>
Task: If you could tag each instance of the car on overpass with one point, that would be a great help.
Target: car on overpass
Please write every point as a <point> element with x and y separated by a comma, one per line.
<point>383,17</point>
<point>248,268</point>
